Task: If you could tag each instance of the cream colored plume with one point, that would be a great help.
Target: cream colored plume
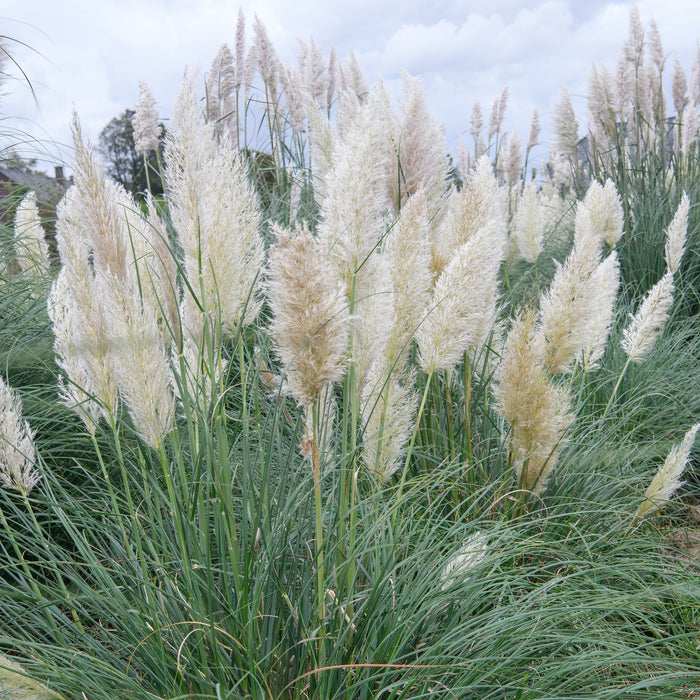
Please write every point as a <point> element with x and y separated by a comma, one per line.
<point>215,212</point>
<point>145,121</point>
<point>576,311</point>
<point>353,214</point>
<point>407,254</point>
<point>309,314</point>
<point>648,323</point>
<point>472,552</point>
<point>462,306</point>
<point>480,204</point>
<point>537,410</point>
<point>81,330</point>
<point>421,151</point>
<point>529,223</point>
<point>31,248</point>
<point>17,451</point>
<point>676,235</point>
<point>566,127</point>
<point>600,216</point>
<point>667,479</point>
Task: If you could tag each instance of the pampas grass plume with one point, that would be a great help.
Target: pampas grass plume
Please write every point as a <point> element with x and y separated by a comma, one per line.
<point>17,451</point>
<point>31,248</point>
<point>145,121</point>
<point>309,325</point>
<point>667,479</point>
<point>537,410</point>
<point>676,235</point>
<point>647,324</point>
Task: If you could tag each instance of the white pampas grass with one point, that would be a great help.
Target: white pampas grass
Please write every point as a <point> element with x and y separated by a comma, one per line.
<point>648,323</point>
<point>462,305</point>
<point>421,150</point>
<point>356,202</point>
<point>31,248</point>
<point>145,121</point>
<point>79,324</point>
<point>215,212</point>
<point>676,235</point>
<point>529,223</point>
<point>17,451</point>
<point>667,479</point>
<point>472,552</point>
<point>309,325</point>
<point>388,412</point>
<point>537,410</point>
<point>407,254</point>
<point>104,307</point>
<point>566,127</point>
<point>481,203</point>
<point>600,215</point>
<point>605,280</point>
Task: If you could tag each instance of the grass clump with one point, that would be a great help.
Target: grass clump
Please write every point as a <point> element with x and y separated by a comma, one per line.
<point>345,443</point>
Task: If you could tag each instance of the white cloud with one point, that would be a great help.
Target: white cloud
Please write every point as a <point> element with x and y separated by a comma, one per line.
<point>94,53</point>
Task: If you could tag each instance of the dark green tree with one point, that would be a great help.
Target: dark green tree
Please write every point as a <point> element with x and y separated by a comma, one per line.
<point>122,161</point>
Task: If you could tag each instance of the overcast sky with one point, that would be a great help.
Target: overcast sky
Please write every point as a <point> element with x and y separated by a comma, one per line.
<point>91,54</point>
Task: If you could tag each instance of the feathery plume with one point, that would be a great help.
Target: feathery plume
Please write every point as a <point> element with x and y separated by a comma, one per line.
<point>472,552</point>
<point>17,451</point>
<point>676,235</point>
<point>667,479</point>
<point>323,141</point>
<point>529,224</point>
<point>353,77</point>
<point>480,203</point>
<point>679,88</point>
<point>211,197</point>
<point>134,347</point>
<point>421,150</point>
<point>624,86</point>
<point>221,92</point>
<point>332,76</point>
<point>533,138</point>
<point>566,127</point>
<point>314,75</point>
<point>293,88</point>
<point>599,216</point>
<point>601,103</point>
<point>514,160</point>
<point>240,48</point>
<point>357,198</point>
<point>407,252</point>
<point>656,49</point>
<point>648,323</point>
<point>145,121</point>
<point>606,282</point>
<point>498,112</point>
<point>575,311</point>
<point>309,325</point>
<point>635,39</point>
<point>477,121</point>
<point>267,62</point>
<point>388,412</point>
<point>537,410</point>
<point>463,302</point>
<point>31,248</point>
<point>81,331</point>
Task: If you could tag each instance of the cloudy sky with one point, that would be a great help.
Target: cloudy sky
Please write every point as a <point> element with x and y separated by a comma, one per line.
<point>91,54</point>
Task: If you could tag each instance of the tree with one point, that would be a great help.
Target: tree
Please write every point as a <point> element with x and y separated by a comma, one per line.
<point>122,161</point>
